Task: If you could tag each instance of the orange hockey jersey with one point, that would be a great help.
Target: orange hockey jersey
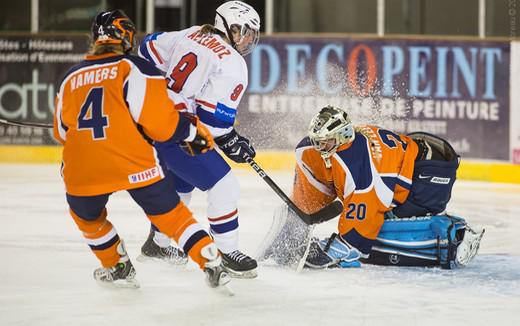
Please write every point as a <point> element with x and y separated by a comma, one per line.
<point>370,175</point>
<point>105,107</point>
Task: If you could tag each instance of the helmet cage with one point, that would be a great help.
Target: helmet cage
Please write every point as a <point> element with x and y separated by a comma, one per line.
<point>330,129</point>
<point>248,38</point>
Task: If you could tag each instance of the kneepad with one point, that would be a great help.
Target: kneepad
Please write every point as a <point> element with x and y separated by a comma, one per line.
<point>419,241</point>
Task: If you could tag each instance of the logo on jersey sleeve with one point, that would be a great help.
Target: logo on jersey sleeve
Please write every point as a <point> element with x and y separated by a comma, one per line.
<point>225,113</point>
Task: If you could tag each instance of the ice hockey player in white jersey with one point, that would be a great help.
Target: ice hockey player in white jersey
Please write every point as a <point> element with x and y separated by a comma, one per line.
<point>205,65</point>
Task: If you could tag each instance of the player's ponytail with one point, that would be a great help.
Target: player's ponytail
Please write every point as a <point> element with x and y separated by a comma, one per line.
<point>98,49</point>
<point>210,29</point>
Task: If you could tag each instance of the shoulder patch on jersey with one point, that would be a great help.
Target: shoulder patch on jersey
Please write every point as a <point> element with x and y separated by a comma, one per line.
<point>144,66</point>
<point>357,159</point>
<point>143,49</point>
<point>151,37</point>
<point>305,142</point>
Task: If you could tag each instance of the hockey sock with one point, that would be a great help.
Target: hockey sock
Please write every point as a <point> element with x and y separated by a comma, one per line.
<point>224,230</point>
<point>101,237</point>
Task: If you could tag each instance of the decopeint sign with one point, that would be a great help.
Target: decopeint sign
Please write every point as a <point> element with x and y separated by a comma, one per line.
<point>458,90</point>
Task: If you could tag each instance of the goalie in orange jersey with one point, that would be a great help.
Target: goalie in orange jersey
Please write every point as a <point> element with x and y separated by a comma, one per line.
<point>383,179</point>
<point>108,109</point>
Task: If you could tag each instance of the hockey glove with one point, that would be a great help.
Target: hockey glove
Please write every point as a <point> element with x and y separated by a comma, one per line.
<point>332,252</point>
<point>200,140</point>
<point>235,146</point>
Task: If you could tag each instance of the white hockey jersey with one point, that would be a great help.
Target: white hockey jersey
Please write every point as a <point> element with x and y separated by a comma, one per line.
<point>203,68</point>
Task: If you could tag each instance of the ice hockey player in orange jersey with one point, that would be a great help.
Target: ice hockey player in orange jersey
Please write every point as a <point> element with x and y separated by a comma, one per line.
<point>368,167</point>
<point>108,109</point>
<point>392,186</point>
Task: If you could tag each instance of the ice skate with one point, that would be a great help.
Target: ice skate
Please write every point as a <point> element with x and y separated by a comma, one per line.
<point>121,275</point>
<point>332,252</point>
<point>151,251</point>
<point>239,265</point>
<point>216,276</point>
<point>468,248</point>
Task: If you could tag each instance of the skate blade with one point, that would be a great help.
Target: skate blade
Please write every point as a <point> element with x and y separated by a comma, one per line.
<point>243,275</point>
<point>121,284</point>
<point>223,285</point>
<point>226,290</point>
<point>145,259</point>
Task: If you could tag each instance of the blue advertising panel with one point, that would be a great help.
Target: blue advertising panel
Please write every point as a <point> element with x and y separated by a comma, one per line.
<point>455,89</point>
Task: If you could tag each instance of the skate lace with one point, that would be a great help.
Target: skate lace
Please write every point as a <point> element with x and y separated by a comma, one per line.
<point>104,274</point>
<point>237,256</point>
<point>109,273</point>
<point>171,251</point>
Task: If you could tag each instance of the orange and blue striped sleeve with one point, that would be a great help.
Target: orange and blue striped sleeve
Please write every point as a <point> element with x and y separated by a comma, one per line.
<point>145,91</point>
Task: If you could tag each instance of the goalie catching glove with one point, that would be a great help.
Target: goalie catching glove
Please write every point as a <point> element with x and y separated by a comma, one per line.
<point>235,146</point>
<point>199,140</point>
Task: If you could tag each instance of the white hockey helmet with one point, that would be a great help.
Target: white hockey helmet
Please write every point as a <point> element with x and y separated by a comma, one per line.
<point>239,19</point>
<point>330,129</point>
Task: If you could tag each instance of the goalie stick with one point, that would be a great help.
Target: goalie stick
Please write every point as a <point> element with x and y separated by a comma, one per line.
<point>326,213</point>
<point>25,124</point>
<point>308,240</point>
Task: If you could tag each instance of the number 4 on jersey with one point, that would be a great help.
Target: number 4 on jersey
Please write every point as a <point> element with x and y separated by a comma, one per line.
<point>91,114</point>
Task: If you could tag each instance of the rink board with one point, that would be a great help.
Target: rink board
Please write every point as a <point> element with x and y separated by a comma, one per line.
<point>273,160</point>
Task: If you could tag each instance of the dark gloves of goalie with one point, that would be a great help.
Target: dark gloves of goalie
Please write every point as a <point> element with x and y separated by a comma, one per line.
<point>235,146</point>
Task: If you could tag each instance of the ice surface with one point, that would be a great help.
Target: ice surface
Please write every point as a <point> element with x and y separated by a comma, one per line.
<point>46,268</point>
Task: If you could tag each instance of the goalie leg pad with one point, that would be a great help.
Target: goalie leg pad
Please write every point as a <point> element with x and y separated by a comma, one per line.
<point>425,241</point>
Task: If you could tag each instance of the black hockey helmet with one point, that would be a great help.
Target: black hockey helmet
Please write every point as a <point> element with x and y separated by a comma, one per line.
<point>114,27</point>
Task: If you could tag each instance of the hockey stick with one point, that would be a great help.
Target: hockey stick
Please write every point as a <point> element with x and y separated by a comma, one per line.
<point>326,213</point>
<point>25,124</point>
<point>301,263</point>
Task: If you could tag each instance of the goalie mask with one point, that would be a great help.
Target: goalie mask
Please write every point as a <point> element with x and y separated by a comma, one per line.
<point>114,27</point>
<point>240,23</point>
<point>330,129</point>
